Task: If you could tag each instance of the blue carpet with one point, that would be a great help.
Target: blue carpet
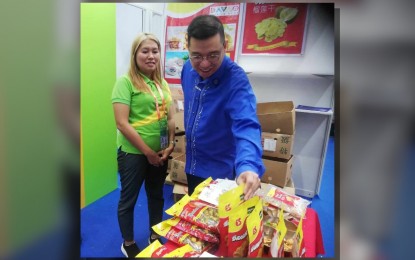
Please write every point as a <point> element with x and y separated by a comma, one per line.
<point>101,236</point>
<point>100,232</point>
<point>323,203</point>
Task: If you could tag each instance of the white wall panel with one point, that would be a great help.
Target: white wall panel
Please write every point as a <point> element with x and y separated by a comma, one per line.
<point>129,23</point>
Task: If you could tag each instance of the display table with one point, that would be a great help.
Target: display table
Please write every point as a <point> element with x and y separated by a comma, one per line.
<point>313,239</point>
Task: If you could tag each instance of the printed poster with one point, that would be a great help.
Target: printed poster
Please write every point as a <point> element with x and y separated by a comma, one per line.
<point>274,28</point>
<point>179,16</point>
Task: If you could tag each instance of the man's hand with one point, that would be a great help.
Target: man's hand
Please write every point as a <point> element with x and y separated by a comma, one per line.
<point>252,183</point>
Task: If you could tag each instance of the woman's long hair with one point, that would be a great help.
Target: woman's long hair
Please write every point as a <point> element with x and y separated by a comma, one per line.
<point>134,71</point>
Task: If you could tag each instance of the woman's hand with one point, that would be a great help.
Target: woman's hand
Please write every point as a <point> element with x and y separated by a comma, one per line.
<point>166,152</point>
<point>154,159</point>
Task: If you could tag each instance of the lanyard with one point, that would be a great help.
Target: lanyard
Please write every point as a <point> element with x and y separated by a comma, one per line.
<point>156,101</point>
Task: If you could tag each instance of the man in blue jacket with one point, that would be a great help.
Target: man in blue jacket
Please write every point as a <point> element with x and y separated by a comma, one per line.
<point>223,135</point>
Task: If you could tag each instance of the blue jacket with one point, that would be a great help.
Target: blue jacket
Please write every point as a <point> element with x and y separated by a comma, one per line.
<point>223,135</point>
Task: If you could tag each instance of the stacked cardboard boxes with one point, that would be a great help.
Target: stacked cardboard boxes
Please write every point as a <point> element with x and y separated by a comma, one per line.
<point>176,174</point>
<point>277,121</point>
<point>178,104</point>
<point>179,190</point>
<point>177,159</point>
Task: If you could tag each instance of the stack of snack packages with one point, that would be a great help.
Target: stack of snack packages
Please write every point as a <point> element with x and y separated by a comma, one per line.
<point>267,225</point>
<point>282,222</point>
<point>219,221</point>
<point>240,225</point>
<point>193,228</point>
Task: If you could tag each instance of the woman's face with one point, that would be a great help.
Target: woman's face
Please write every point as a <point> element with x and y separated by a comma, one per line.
<point>147,57</point>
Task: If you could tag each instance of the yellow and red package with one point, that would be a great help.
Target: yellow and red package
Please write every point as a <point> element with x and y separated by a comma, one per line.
<point>254,225</point>
<point>180,237</point>
<point>227,201</point>
<point>183,252</point>
<point>298,249</point>
<point>196,212</point>
<point>277,244</point>
<point>155,249</point>
<point>237,230</point>
<point>194,230</point>
<point>200,187</point>
<point>270,221</point>
<point>292,204</point>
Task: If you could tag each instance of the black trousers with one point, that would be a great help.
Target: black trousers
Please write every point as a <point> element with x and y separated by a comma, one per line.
<point>134,169</point>
<point>192,182</point>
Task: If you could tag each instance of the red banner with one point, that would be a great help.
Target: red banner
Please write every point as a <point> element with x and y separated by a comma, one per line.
<point>274,28</point>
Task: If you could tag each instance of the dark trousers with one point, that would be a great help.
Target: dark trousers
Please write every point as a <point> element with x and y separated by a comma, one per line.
<point>72,191</point>
<point>134,169</point>
<point>192,182</point>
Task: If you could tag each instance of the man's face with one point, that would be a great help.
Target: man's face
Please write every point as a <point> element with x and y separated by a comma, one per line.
<point>206,55</point>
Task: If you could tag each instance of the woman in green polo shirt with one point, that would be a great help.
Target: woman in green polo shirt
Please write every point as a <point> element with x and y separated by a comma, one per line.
<point>145,136</point>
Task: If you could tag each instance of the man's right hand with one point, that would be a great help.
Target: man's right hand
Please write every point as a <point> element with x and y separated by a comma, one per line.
<point>252,183</point>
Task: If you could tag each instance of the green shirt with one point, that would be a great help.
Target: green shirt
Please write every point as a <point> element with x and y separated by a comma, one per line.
<point>143,114</point>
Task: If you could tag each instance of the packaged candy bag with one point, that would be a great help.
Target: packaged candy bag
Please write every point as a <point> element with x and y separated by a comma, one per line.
<point>200,187</point>
<point>183,252</point>
<point>292,204</point>
<point>227,201</point>
<point>255,231</point>
<point>194,230</point>
<point>180,237</point>
<point>298,249</point>
<point>154,250</point>
<point>215,189</point>
<point>277,245</point>
<point>270,221</point>
<point>237,230</point>
<point>196,212</point>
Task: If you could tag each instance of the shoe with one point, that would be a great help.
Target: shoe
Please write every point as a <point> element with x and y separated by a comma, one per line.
<point>130,251</point>
<point>151,240</point>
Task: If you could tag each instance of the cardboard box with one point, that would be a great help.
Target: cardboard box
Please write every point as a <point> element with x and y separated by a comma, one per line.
<point>178,104</point>
<point>179,190</point>
<point>278,171</point>
<point>289,188</point>
<point>172,156</point>
<point>179,121</point>
<point>277,145</point>
<point>180,144</point>
<point>277,117</point>
<point>168,180</point>
<point>177,172</point>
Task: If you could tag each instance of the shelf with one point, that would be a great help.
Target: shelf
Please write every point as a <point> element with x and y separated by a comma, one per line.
<point>314,110</point>
<point>286,74</point>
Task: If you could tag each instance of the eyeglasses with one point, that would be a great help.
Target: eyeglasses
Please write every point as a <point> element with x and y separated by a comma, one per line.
<point>212,57</point>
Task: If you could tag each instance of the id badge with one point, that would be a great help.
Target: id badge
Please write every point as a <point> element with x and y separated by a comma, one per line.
<point>163,135</point>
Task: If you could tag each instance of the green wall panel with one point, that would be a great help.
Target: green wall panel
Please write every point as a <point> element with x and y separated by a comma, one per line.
<point>98,75</point>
